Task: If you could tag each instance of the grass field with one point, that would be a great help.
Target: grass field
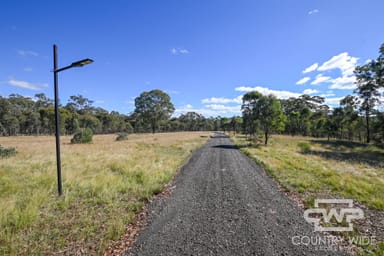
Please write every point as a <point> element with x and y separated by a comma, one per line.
<point>105,183</point>
<point>317,168</point>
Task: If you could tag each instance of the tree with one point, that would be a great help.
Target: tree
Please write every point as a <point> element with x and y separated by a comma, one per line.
<point>368,91</point>
<point>351,117</point>
<point>153,107</point>
<point>236,123</point>
<point>265,109</point>
<point>80,104</point>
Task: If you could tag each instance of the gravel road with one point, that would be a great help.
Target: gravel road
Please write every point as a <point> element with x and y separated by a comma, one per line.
<point>225,204</point>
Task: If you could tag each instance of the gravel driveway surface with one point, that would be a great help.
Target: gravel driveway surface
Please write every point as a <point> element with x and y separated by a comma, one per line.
<point>224,204</point>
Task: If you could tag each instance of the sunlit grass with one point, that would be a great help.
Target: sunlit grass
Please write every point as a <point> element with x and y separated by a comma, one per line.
<point>105,184</point>
<point>351,171</point>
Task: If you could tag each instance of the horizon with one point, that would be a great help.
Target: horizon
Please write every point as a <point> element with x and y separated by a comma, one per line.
<point>205,55</point>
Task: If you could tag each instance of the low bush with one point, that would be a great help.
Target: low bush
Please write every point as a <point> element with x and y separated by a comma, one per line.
<point>122,136</point>
<point>7,152</point>
<point>83,136</point>
<point>305,147</point>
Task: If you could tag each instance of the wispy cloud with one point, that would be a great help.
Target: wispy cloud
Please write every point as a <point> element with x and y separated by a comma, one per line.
<point>27,53</point>
<point>343,83</point>
<point>303,80</point>
<point>26,85</point>
<point>313,11</point>
<point>345,63</point>
<point>28,69</point>
<point>311,68</point>
<point>177,51</point>
<point>321,79</point>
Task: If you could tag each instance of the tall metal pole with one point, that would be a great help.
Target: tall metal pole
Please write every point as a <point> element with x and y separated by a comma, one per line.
<point>57,120</point>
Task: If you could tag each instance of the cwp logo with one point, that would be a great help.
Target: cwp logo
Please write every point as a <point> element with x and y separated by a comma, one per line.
<point>341,209</point>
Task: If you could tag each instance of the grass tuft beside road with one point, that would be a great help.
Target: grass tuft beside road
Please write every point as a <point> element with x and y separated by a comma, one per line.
<point>105,184</point>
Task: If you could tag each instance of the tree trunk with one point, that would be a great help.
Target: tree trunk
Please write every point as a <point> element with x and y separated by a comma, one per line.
<point>266,138</point>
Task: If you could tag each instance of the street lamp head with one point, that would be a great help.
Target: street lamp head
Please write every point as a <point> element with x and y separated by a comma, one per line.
<point>81,63</point>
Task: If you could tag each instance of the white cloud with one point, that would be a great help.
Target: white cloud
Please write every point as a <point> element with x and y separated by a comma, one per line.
<point>310,91</point>
<point>303,80</point>
<point>222,100</point>
<point>176,51</point>
<point>321,79</point>
<point>27,69</point>
<point>311,68</point>
<point>343,83</point>
<point>343,61</point>
<point>224,109</point>
<point>26,85</point>
<point>328,94</point>
<point>333,101</point>
<point>267,91</point>
<point>313,11</point>
<point>27,53</point>
<point>209,110</point>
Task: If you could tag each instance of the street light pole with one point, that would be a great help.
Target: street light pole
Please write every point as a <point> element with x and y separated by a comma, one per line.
<point>57,121</point>
<point>57,110</point>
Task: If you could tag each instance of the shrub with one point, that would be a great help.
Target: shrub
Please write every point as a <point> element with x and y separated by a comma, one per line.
<point>83,136</point>
<point>122,136</point>
<point>7,152</point>
<point>305,147</point>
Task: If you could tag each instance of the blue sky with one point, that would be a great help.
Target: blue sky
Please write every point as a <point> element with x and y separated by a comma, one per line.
<point>204,53</point>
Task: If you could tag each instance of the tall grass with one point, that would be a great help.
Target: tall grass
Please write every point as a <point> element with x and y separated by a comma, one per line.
<point>105,184</point>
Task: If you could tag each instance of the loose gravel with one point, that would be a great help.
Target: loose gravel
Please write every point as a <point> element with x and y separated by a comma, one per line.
<point>225,204</point>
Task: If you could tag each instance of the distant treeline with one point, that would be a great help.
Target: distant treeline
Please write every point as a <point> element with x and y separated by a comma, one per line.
<point>21,115</point>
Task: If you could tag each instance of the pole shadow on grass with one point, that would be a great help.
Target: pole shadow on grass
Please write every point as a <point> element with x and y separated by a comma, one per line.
<point>353,152</point>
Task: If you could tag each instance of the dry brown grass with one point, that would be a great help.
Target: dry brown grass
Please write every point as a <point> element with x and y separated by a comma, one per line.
<point>104,184</point>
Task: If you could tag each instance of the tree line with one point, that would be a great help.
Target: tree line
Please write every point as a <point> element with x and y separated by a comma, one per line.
<point>21,115</point>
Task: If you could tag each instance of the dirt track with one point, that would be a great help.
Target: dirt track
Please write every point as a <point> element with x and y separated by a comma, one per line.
<point>225,204</point>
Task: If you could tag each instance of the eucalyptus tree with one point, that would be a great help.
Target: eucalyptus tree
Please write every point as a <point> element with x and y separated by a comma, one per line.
<point>265,109</point>
<point>153,107</point>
